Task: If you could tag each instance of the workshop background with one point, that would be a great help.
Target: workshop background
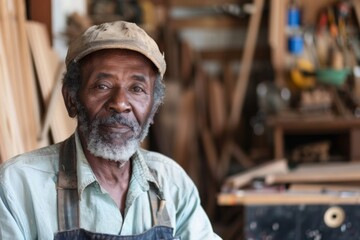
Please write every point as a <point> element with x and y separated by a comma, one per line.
<point>262,107</point>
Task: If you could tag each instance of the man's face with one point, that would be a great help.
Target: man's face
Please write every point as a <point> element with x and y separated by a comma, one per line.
<point>114,102</point>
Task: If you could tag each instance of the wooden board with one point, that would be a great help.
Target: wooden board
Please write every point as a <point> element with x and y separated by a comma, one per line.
<point>9,120</point>
<point>247,198</point>
<point>45,59</point>
<point>49,71</point>
<point>211,154</point>
<point>200,3</point>
<point>27,84</point>
<point>217,107</point>
<point>20,101</point>
<point>56,117</point>
<point>330,173</point>
<point>245,65</point>
<point>242,179</point>
<point>323,188</point>
<point>356,4</point>
<point>186,145</point>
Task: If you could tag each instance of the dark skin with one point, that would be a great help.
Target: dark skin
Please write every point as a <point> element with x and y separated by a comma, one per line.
<point>119,81</point>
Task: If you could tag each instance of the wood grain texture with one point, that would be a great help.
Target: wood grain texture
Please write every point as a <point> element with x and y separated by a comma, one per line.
<point>49,70</point>
<point>19,101</point>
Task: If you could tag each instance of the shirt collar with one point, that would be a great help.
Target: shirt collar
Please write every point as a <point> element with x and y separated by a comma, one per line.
<point>141,171</point>
<point>85,174</point>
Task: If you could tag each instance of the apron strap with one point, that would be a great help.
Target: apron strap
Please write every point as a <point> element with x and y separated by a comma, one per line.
<point>160,215</point>
<point>67,193</point>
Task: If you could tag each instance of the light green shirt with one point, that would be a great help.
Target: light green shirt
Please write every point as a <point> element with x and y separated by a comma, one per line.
<point>28,197</point>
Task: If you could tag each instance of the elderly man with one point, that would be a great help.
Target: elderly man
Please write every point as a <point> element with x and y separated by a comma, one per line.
<point>99,184</point>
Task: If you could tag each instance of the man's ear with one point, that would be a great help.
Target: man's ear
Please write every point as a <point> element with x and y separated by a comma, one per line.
<point>69,100</point>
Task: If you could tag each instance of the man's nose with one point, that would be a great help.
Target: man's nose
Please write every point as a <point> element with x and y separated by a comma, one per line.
<point>119,101</point>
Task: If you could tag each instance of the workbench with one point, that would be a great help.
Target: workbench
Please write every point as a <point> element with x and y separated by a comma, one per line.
<point>297,216</point>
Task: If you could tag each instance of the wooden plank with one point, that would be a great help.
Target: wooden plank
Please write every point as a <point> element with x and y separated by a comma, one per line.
<point>56,117</point>
<point>9,121</point>
<point>245,67</point>
<point>45,59</point>
<point>211,154</point>
<point>217,107</point>
<point>327,167</point>
<point>23,113</point>
<point>50,72</point>
<point>323,188</point>
<point>249,199</point>
<point>356,5</point>
<point>200,3</point>
<point>26,90</point>
<point>8,63</point>
<point>277,39</point>
<point>279,142</point>
<point>186,145</point>
<point>320,173</point>
<point>201,83</point>
<point>181,136</point>
<point>274,28</point>
<point>242,179</point>
<point>229,80</point>
<point>172,53</point>
<point>186,61</point>
<point>354,142</point>
<point>32,123</point>
<point>62,126</point>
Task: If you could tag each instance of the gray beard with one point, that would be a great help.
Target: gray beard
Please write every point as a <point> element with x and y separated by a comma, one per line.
<point>102,144</point>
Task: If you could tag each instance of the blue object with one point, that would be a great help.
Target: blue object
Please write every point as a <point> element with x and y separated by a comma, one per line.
<point>296,44</point>
<point>293,17</point>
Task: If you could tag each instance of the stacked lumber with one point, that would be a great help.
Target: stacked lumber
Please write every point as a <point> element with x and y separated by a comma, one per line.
<point>20,109</point>
<point>26,115</point>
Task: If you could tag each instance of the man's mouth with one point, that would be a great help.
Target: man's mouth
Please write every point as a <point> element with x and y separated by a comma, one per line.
<point>116,128</point>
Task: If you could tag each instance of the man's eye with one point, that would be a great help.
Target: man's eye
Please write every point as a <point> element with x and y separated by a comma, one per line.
<point>138,89</point>
<point>102,87</point>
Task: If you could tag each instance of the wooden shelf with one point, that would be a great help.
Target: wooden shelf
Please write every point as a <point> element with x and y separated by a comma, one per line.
<point>314,125</point>
<point>246,198</point>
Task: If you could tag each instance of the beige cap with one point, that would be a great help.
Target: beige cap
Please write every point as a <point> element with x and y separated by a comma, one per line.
<point>119,34</point>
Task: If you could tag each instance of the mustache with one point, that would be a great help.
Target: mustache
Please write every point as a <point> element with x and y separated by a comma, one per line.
<point>118,118</point>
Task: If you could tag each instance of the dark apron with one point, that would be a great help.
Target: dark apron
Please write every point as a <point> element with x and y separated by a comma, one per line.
<point>68,208</point>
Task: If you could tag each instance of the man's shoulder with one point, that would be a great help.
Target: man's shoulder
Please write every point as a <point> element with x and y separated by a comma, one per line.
<point>157,160</point>
<point>166,169</point>
<point>42,159</point>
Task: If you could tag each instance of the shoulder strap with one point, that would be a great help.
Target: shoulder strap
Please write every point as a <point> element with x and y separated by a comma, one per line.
<point>67,193</point>
<point>160,215</point>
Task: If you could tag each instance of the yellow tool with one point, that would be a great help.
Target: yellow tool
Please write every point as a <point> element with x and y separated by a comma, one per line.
<point>303,74</point>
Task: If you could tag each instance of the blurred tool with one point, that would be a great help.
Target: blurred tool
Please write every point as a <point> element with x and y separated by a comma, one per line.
<point>303,74</point>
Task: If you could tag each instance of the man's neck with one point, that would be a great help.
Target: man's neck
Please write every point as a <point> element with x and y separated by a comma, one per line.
<point>113,176</point>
